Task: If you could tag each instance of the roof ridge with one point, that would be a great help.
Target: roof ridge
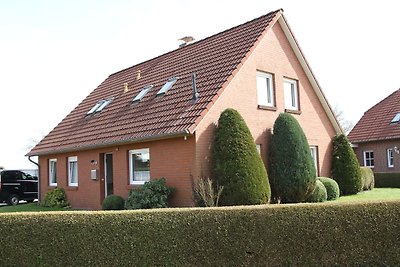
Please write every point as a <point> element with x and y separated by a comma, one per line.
<point>389,96</point>
<point>198,42</point>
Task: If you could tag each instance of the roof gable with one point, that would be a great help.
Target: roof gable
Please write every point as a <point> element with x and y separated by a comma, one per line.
<point>376,123</point>
<point>213,60</point>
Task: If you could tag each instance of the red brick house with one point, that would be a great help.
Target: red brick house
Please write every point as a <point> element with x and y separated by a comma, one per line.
<point>156,119</point>
<point>376,137</point>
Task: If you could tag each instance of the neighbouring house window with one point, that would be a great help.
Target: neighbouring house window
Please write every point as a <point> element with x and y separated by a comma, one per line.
<point>314,154</point>
<point>142,93</point>
<point>53,172</point>
<point>167,85</point>
<point>390,161</point>
<point>73,171</point>
<point>265,89</point>
<point>258,146</point>
<point>290,94</point>
<point>396,118</point>
<point>99,106</point>
<point>139,166</point>
<point>369,158</point>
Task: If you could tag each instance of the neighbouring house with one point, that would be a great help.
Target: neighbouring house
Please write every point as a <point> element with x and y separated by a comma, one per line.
<point>157,118</point>
<point>376,136</point>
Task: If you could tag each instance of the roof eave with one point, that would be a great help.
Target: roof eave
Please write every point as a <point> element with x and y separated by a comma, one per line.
<point>108,144</point>
<point>311,77</point>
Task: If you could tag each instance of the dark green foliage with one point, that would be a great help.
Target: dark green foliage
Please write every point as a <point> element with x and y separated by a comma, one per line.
<point>292,170</point>
<point>345,168</point>
<point>153,194</point>
<point>328,234</point>
<point>237,164</point>
<point>387,179</point>
<point>319,194</point>
<point>332,188</point>
<point>56,198</point>
<point>113,202</point>
<point>367,177</point>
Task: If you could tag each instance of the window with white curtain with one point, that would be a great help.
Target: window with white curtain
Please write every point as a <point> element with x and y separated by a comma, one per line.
<point>53,172</point>
<point>139,166</point>
<point>73,171</point>
<point>290,94</point>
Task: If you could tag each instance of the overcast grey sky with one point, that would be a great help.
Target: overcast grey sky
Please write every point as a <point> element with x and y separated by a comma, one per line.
<point>54,53</point>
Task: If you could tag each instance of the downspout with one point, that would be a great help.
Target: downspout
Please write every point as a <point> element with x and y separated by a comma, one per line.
<point>37,164</point>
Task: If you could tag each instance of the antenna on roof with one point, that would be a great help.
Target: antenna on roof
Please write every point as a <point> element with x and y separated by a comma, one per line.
<point>186,40</point>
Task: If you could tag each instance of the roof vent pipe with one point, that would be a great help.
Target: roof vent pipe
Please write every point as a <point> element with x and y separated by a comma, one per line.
<point>195,94</point>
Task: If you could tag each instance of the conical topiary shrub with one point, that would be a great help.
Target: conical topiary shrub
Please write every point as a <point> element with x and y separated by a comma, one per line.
<point>238,166</point>
<point>345,168</point>
<point>292,170</point>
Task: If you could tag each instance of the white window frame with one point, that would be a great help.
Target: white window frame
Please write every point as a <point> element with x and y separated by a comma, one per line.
<point>52,172</point>
<point>314,155</point>
<point>390,158</point>
<point>369,159</point>
<point>132,172</point>
<point>71,161</point>
<point>265,89</point>
<point>168,85</point>
<point>258,147</point>
<point>291,94</point>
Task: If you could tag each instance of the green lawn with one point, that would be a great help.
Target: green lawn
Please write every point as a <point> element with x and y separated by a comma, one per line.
<point>26,207</point>
<point>375,194</point>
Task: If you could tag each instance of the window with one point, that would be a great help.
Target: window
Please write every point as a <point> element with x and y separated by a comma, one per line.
<point>139,166</point>
<point>389,153</point>
<point>290,94</point>
<point>100,105</point>
<point>73,171</point>
<point>167,86</point>
<point>258,146</point>
<point>369,158</point>
<point>314,154</point>
<point>396,118</point>
<point>265,89</point>
<point>53,172</point>
<point>142,93</point>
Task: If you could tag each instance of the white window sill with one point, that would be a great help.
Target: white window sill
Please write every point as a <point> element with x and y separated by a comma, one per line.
<point>54,185</point>
<point>138,182</point>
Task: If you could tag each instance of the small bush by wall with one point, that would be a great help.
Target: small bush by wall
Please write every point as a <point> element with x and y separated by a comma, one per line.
<point>328,234</point>
<point>332,188</point>
<point>367,177</point>
<point>113,202</point>
<point>153,194</point>
<point>55,198</point>
<point>319,194</point>
<point>387,179</point>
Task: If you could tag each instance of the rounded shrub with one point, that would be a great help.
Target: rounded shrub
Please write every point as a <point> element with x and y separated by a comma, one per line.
<point>292,170</point>
<point>332,188</point>
<point>55,198</point>
<point>153,194</point>
<point>368,179</point>
<point>345,168</point>
<point>319,194</point>
<point>113,202</point>
<point>237,165</point>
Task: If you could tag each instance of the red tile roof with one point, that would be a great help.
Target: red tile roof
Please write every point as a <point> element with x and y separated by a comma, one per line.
<point>376,124</point>
<point>213,59</point>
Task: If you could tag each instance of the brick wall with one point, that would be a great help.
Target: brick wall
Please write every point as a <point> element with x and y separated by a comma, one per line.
<point>169,158</point>
<point>274,55</point>
<point>380,156</point>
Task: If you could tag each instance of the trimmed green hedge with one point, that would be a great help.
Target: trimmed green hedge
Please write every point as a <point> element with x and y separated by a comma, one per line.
<point>387,179</point>
<point>328,234</point>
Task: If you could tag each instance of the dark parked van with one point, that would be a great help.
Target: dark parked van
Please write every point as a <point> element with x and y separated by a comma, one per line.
<point>16,186</point>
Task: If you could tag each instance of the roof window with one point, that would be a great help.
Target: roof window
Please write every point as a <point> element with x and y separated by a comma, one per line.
<point>167,85</point>
<point>142,93</point>
<point>99,106</point>
<point>396,118</point>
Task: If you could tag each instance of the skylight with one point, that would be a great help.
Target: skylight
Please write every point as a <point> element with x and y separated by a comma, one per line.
<point>99,106</point>
<point>396,118</point>
<point>167,85</point>
<point>142,93</point>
